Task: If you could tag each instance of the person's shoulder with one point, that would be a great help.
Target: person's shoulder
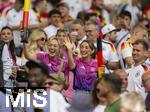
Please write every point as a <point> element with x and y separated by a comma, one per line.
<point>11,11</point>
<point>49,27</point>
<point>108,43</point>
<point>146,67</point>
<point>105,42</point>
<point>55,94</point>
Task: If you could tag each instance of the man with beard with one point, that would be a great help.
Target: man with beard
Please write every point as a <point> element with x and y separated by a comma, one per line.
<point>109,52</point>
<point>110,88</point>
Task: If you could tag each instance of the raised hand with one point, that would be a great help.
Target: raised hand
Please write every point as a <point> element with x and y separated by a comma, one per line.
<point>68,44</point>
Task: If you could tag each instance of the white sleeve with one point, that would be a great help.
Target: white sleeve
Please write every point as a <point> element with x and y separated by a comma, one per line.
<point>33,18</point>
<point>114,57</point>
<point>7,63</point>
<point>57,102</point>
<point>126,50</point>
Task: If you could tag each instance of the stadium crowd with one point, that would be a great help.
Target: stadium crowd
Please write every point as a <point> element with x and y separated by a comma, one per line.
<point>60,55</point>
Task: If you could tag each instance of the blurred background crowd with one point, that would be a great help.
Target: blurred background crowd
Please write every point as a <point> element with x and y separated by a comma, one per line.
<point>61,54</point>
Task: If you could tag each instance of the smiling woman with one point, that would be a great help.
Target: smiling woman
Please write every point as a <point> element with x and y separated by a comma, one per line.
<point>36,42</point>
<point>52,58</point>
<point>8,58</point>
<point>85,67</point>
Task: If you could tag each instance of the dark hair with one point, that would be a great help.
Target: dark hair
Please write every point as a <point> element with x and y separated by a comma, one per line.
<point>78,21</point>
<point>11,45</point>
<point>62,4</point>
<point>37,64</point>
<point>81,15</point>
<point>114,81</point>
<point>143,43</point>
<point>20,1</point>
<point>38,1</point>
<point>91,46</point>
<point>125,13</point>
<point>54,11</point>
<point>94,92</point>
<point>89,15</point>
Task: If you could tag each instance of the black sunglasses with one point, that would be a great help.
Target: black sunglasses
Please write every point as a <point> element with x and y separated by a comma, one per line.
<point>43,39</point>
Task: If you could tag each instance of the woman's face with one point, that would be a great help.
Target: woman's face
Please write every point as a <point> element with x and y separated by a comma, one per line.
<point>85,50</point>
<point>53,48</point>
<point>42,40</point>
<point>61,36</point>
<point>6,35</point>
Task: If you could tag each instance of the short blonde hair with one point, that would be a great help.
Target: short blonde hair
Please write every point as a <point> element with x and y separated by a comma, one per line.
<point>133,101</point>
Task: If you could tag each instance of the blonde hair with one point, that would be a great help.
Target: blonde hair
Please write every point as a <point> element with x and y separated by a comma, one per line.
<point>33,38</point>
<point>131,100</point>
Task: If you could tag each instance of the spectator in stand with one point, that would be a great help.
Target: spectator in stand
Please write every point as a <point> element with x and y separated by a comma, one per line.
<point>123,47</point>
<point>64,9</point>
<point>40,8</point>
<point>134,8</point>
<point>14,19</point>
<point>38,73</point>
<point>55,21</point>
<point>124,77</point>
<point>36,44</point>
<point>85,67</point>
<point>98,100</point>
<point>140,49</point>
<point>62,35</point>
<point>55,63</point>
<point>146,84</point>
<point>90,18</point>
<point>92,32</point>
<point>123,23</point>
<point>37,41</point>
<point>8,57</point>
<point>110,88</point>
<point>111,59</point>
<point>78,26</point>
<point>146,9</point>
<point>98,7</point>
<point>138,32</point>
<point>131,99</point>
<point>56,101</point>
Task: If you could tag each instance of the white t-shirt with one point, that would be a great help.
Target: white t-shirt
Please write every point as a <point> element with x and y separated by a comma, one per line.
<point>56,103</point>
<point>7,63</point>
<point>124,50</point>
<point>15,18</point>
<point>51,30</point>
<point>135,81</point>
<point>99,108</point>
<point>109,52</point>
<point>123,33</point>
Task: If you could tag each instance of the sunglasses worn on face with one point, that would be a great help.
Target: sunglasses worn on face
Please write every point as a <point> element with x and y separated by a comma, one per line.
<point>43,39</point>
